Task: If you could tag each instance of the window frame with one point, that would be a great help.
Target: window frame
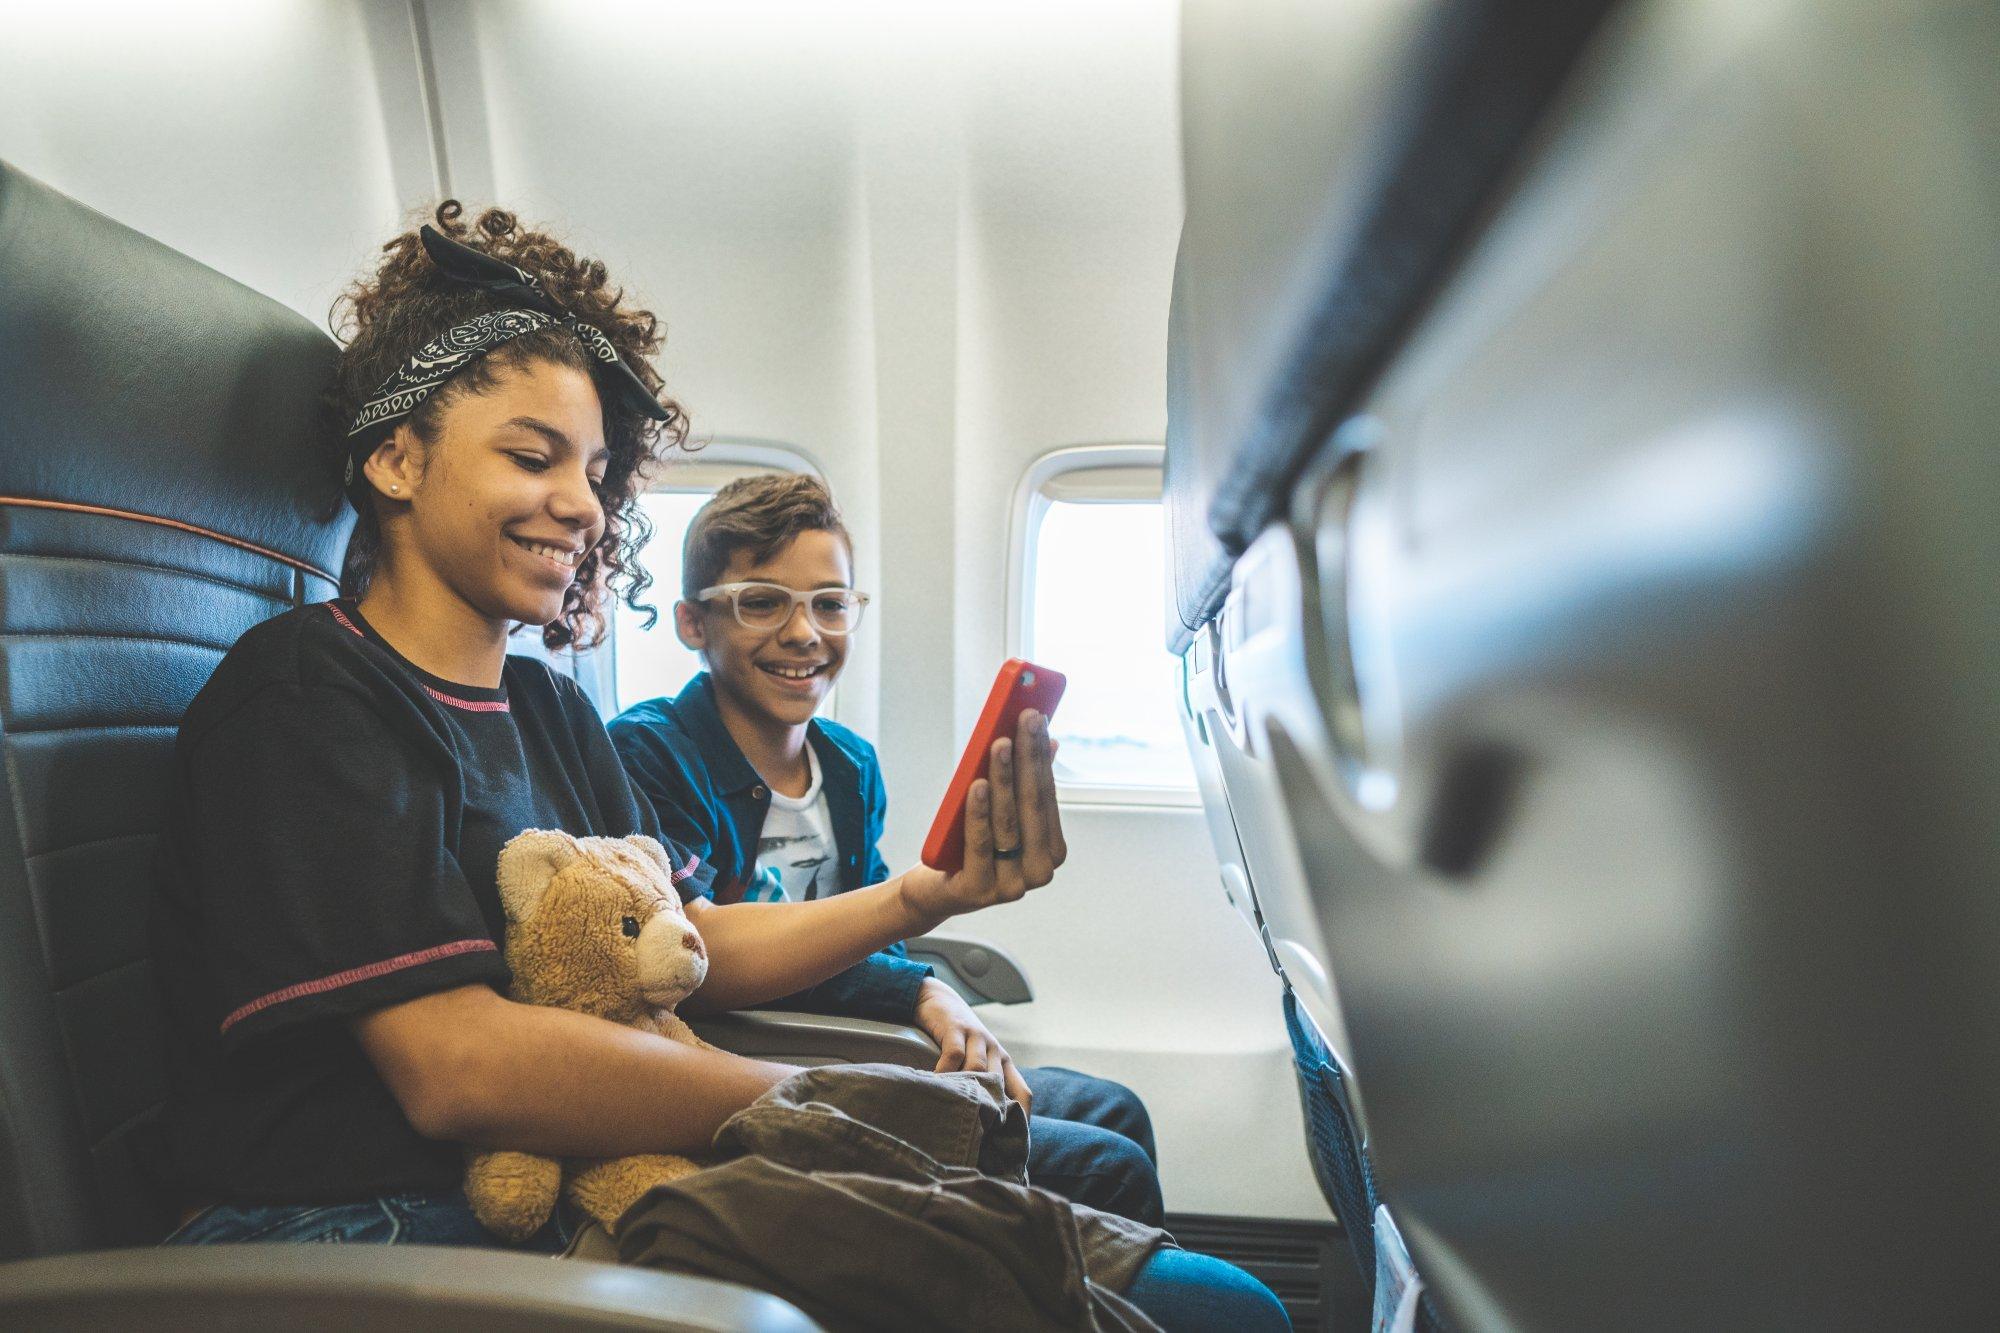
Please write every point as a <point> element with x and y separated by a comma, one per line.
<point>689,474</point>
<point>1031,502</point>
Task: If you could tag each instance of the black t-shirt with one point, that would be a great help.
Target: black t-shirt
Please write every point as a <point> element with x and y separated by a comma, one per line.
<point>331,849</point>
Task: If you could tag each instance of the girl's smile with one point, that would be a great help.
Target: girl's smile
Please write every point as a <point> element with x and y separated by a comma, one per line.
<point>503,508</point>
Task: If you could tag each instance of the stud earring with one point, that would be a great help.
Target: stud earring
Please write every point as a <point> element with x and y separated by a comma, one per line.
<point>394,488</point>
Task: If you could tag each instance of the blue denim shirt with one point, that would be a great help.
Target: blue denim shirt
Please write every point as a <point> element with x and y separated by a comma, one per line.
<point>712,802</point>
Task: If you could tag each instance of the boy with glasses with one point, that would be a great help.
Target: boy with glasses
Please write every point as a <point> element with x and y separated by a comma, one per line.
<point>786,805</point>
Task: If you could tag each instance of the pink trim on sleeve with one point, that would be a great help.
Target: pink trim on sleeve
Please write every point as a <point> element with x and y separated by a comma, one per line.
<point>694,864</point>
<point>354,974</point>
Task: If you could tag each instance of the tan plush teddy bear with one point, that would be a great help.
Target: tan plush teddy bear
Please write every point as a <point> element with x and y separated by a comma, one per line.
<point>595,925</point>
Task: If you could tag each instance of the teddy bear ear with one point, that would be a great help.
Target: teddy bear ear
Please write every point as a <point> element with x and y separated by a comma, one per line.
<point>652,849</point>
<point>527,863</point>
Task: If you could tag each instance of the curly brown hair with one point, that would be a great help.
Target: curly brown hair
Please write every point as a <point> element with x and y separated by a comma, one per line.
<point>383,318</point>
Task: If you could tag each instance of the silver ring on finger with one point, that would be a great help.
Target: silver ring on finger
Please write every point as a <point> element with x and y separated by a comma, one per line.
<point>1006,855</point>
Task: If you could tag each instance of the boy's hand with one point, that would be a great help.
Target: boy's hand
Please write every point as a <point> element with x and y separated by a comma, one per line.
<point>963,1040</point>
<point>1013,831</point>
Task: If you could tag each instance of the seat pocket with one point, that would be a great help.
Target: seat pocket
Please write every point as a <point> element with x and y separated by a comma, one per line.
<point>1339,1159</point>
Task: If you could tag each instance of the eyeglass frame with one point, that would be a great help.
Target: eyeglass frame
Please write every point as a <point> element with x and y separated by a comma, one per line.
<point>732,590</point>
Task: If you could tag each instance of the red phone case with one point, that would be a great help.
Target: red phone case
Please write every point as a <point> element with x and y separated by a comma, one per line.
<point>1019,687</point>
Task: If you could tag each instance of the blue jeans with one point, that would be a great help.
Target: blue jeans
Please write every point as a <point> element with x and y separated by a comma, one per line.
<point>1091,1141</point>
<point>1180,1291</point>
<point>1185,1292</point>
<point>397,1219</point>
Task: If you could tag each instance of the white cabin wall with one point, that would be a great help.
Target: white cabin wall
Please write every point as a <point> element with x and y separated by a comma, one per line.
<point>913,180</point>
<point>251,137</point>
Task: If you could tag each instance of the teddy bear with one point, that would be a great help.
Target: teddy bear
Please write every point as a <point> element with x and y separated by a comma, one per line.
<point>595,925</point>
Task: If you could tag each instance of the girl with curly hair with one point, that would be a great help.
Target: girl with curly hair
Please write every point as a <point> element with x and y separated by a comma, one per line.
<point>330,921</point>
<point>347,778</point>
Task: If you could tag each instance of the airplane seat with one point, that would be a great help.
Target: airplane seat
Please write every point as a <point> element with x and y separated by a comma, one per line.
<point>156,500</point>
<point>148,516</point>
<point>1239,792</point>
<point>1581,420</point>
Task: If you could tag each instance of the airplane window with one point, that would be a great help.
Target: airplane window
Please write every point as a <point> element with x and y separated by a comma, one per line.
<point>647,663</point>
<point>1098,569</point>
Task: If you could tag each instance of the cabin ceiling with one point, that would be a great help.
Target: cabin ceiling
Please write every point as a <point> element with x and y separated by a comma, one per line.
<point>635,123</point>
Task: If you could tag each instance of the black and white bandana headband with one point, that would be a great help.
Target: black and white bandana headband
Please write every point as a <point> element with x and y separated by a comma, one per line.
<point>451,351</point>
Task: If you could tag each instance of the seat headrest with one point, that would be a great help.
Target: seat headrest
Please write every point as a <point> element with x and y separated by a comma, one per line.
<point>135,379</point>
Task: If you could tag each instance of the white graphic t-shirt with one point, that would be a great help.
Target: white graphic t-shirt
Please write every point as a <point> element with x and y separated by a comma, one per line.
<point>795,854</point>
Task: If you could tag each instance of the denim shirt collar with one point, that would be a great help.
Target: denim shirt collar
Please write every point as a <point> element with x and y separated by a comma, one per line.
<point>695,707</point>
<point>748,798</point>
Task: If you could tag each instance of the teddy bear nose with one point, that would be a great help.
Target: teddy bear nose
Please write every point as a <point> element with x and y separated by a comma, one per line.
<point>672,960</point>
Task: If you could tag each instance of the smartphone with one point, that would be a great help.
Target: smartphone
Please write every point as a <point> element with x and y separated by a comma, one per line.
<point>1019,687</point>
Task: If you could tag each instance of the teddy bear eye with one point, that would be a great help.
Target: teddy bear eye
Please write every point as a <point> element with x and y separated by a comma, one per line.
<point>630,925</point>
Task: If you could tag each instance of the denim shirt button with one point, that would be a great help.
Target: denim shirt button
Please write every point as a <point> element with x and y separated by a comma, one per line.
<point>759,793</point>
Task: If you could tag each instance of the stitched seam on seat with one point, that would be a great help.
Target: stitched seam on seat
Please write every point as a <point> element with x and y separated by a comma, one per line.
<point>90,842</point>
<point>15,733</point>
<point>125,1125</point>
<point>119,635</point>
<point>132,515</point>
<point>58,992</point>
<point>13,730</point>
<point>10,755</point>
<point>283,599</point>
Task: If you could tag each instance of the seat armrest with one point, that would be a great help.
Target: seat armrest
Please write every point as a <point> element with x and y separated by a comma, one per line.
<point>815,1039</point>
<point>983,973</point>
<point>302,1288</point>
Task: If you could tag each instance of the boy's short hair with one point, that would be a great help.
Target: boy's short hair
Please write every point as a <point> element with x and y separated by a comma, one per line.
<point>758,514</point>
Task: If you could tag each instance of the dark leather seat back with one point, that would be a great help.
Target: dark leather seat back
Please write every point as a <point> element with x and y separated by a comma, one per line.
<point>159,494</point>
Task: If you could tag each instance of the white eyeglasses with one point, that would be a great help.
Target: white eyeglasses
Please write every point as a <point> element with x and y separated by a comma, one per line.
<point>769,605</point>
